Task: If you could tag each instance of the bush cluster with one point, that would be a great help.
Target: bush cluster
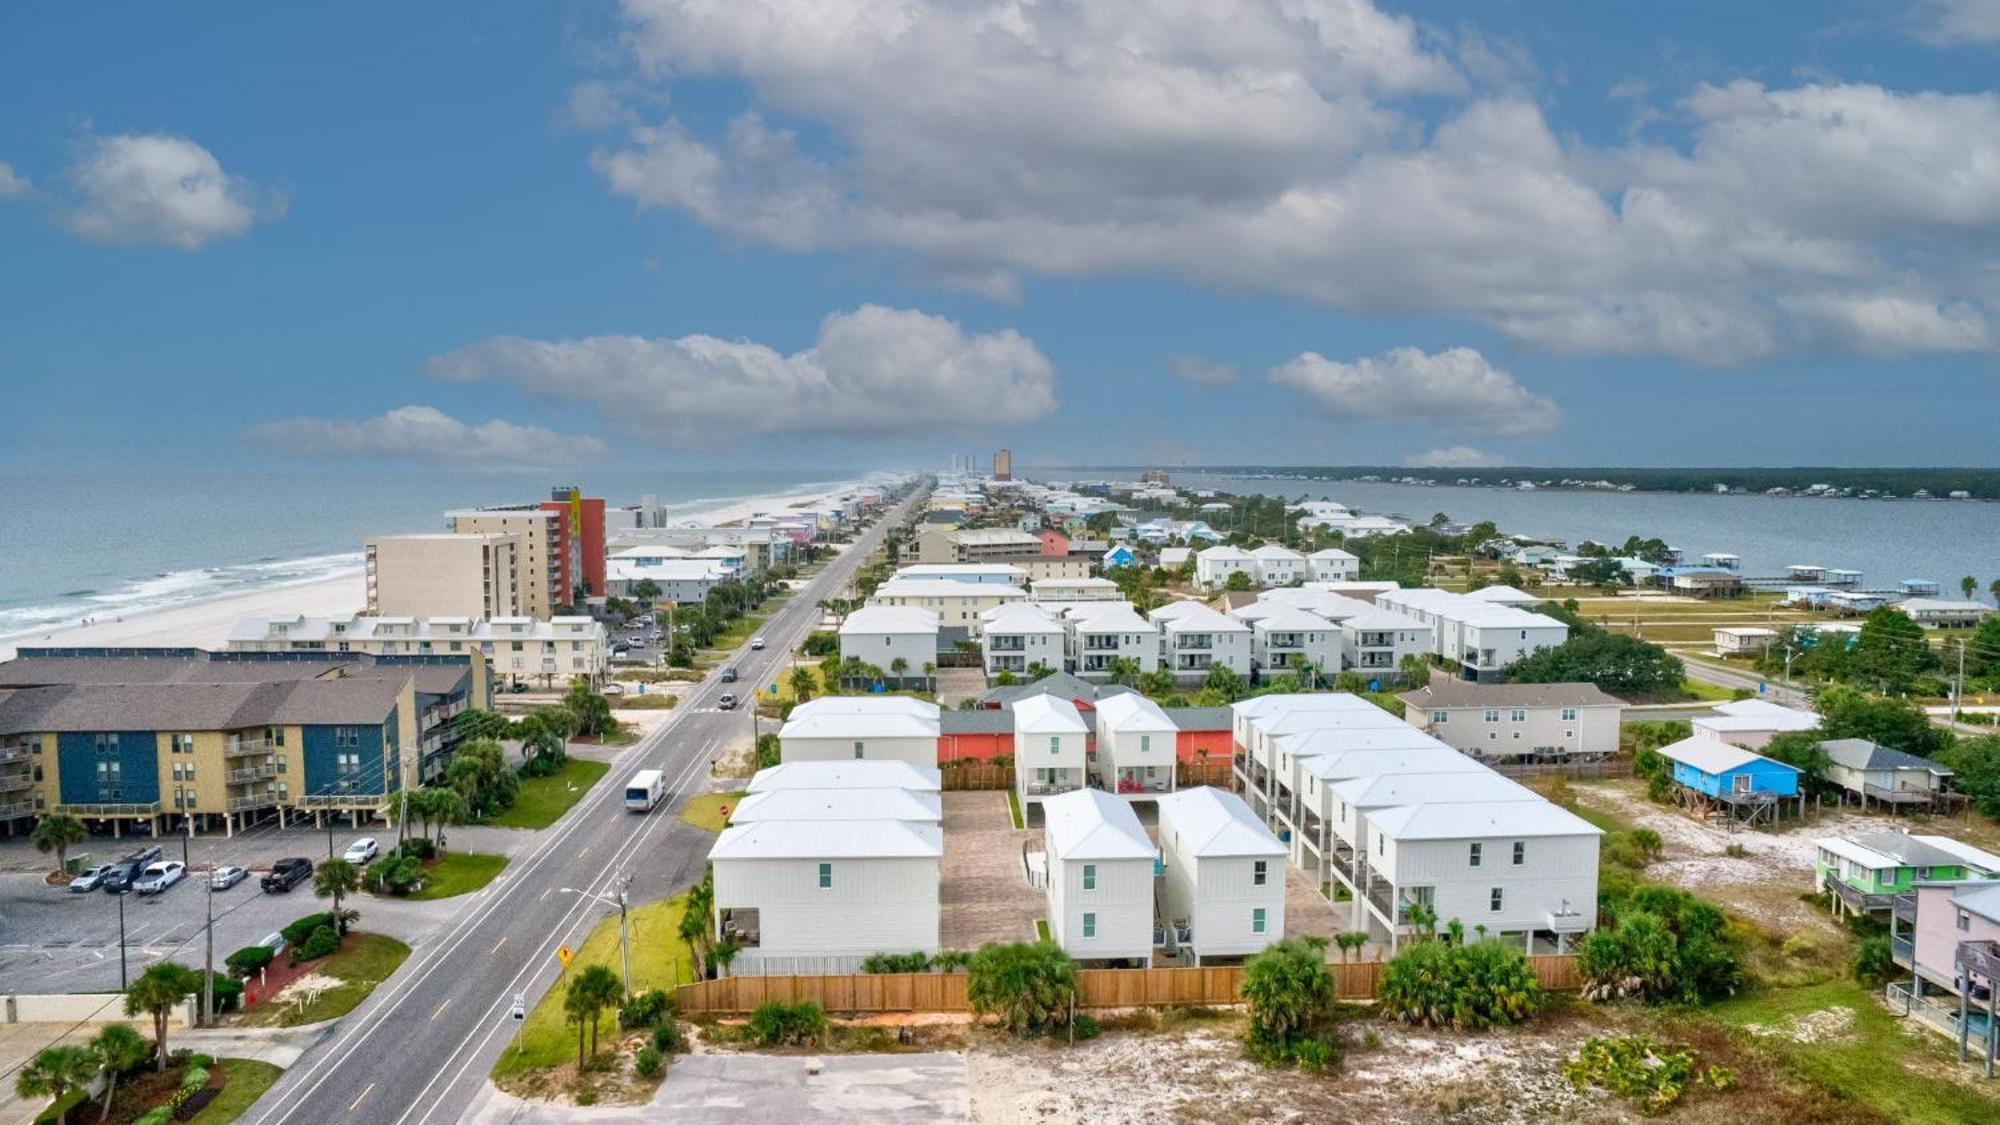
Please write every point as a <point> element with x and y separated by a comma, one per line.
<point>302,929</point>
<point>1472,987</point>
<point>248,961</point>
<point>320,943</point>
<point>1662,945</point>
<point>645,1010</point>
<point>777,1024</point>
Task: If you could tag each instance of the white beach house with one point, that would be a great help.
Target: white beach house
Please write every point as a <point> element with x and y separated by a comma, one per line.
<point>1214,565</point>
<point>847,774</point>
<point>1195,638</point>
<point>1101,873</point>
<point>1331,564</point>
<point>1752,723</point>
<point>883,635</point>
<point>915,805</point>
<point>1278,565</point>
<point>1135,746</point>
<point>820,896</point>
<point>1015,638</point>
<point>1051,743</point>
<point>861,727</point>
<point>1224,890</point>
<point>1513,721</point>
<point>1101,633</point>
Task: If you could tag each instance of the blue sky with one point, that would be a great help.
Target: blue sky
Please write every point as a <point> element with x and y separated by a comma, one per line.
<point>786,233</point>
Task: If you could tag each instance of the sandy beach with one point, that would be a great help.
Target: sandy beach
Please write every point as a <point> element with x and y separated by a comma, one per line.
<point>206,623</point>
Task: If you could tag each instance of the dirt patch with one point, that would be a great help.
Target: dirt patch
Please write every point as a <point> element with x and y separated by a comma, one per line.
<point>1828,1025</point>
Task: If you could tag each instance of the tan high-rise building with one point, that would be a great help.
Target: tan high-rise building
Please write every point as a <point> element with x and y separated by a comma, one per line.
<point>1003,465</point>
<point>475,576</point>
<point>543,556</point>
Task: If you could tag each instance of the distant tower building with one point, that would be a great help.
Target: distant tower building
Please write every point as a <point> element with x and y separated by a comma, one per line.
<point>1003,465</point>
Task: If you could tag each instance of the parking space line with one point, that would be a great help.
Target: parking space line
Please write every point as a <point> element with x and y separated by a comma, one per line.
<point>440,1011</point>
<point>357,1101</point>
<point>502,941</point>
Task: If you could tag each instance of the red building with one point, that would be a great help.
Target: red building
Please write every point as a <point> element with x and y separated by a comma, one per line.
<point>580,543</point>
<point>1054,543</point>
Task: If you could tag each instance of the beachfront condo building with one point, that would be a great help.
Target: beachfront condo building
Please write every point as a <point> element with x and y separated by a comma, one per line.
<point>546,559</point>
<point>170,738</point>
<point>518,650</point>
<point>469,576</point>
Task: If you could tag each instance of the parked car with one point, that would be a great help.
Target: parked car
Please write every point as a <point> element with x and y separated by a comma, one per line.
<point>286,874</point>
<point>89,879</point>
<point>727,702</point>
<point>223,878</point>
<point>619,650</point>
<point>159,876</point>
<point>729,675</point>
<point>756,644</point>
<point>362,850</point>
<point>119,879</point>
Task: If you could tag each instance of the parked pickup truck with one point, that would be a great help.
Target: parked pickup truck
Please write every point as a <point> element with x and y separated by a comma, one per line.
<point>286,874</point>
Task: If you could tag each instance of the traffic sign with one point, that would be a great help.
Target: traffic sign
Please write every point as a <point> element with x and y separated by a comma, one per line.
<point>565,954</point>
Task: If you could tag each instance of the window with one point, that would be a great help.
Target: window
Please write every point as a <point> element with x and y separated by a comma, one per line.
<point>1090,925</point>
<point>1569,714</point>
<point>1055,744</point>
<point>1260,872</point>
<point>347,736</point>
<point>1145,743</point>
<point>825,876</point>
<point>347,764</point>
<point>107,743</point>
<point>1964,920</point>
<point>1495,899</point>
<point>1520,852</point>
<point>1472,854</point>
<point>1440,716</point>
<point>1257,920</point>
<point>1089,876</point>
<point>1517,715</point>
<point>857,749</point>
<point>1492,714</point>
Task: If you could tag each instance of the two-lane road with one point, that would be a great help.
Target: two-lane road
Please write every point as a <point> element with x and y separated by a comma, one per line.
<point>419,1050</point>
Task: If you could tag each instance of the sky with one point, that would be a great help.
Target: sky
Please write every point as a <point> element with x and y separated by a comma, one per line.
<point>769,233</point>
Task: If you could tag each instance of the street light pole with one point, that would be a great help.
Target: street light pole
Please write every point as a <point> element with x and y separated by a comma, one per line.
<point>208,958</point>
<point>124,979</point>
<point>624,933</point>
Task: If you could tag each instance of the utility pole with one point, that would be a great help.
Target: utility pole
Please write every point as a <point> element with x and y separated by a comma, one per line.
<point>624,935</point>
<point>208,959</point>
<point>187,822</point>
<point>124,978</point>
<point>1958,684</point>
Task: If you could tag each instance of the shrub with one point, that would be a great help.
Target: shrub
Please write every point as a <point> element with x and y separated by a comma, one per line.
<point>1665,946</point>
<point>303,928</point>
<point>777,1024</point>
<point>1874,963</point>
<point>1084,1027</point>
<point>194,1077</point>
<point>418,847</point>
<point>1464,987</point>
<point>248,961</point>
<point>159,1115</point>
<point>395,873</point>
<point>648,1063</point>
<point>321,943</point>
<point>896,963</point>
<point>228,996</point>
<point>668,1040</point>
<point>198,1059</point>
<point>1030,987</point>
<point>645,1010</point>
<point>1290,994</point>
<point>1654,1076</point>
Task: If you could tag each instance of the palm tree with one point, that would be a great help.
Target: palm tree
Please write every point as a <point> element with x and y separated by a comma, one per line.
<point>1288,988</point>
<point>54,1072</point>
<point>58,832</point>
<point>594,989</point>
<point>434,804</point>
<point>1422,916</point>
<point>696,917</point>
<point>1350,942</point>
<point>157,992</point>
<point>1968,584</point>
<point>899,666</point>
<point>336,879</point>
<point>118,1049</point>
<point>804,684</point>
<point>544,737</point>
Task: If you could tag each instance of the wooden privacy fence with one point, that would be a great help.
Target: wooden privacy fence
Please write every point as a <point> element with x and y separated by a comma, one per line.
<point>1206,771</point>
<point>1208,986</point>
<point>977,775</point>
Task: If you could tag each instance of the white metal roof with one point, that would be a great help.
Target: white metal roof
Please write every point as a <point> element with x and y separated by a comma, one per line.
<point>876,773</point>
<point>1132,712</point>
<point>1373,763</point>
<point>1212,823</point>
<point>822,839</point>
<point>1198,618</point>
<point>946,570</point>
<point>1462,820</point>
<point>1339,740</point>
<point>1114,617</point>
<point>946,588</point>
<point>1966,853</point>
<point>862,716</point>
<point>1382,790</point>
<point>890,619</point>
<point>1086,824</point>
<point>840,804</point>
<point>1709,755</point>
<point>1504,595</point>
<point>1045,714</point>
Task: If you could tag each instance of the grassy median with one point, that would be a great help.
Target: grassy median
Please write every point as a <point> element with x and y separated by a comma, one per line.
<point>543,800</point>
<point>710,811</point>
<point>364,961</point>
<point>659,960</point>
<point>459,873</point>
<point>243,1082</point>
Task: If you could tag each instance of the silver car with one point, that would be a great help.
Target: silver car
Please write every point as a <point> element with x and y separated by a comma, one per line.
<point>223,878</point>
<point>90,878</point>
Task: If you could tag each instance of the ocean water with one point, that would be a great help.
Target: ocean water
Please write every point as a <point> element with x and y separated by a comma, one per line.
<point>1887,540</point>
<point>78,545</point>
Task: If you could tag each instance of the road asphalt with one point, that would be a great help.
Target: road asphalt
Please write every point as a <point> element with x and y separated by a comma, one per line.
<point>420,1048</point>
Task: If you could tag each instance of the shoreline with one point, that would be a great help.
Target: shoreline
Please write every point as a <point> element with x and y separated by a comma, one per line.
<point>206,622</point>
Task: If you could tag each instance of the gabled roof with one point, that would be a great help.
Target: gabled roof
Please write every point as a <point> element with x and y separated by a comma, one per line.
<point>1445,693</point>
<point>1045,714</point>
<point>1223,552</point>
<point>872,773</point>
<point>1338,740</point>
<point>823,839</point>
<point>1214,823</point>
<point>890,619</point>
<point>1287,619</point>
<point>1132,712</point>
<point>1114,617</point>
<point>1271,552</point>
<point>862,716</point>
<point>1712,756</point>
<point>1382,790</point>
<point>1861,754</point>
<point>1505,595</point>
<point>1463,820</point>
<point>1963,852</point>
<point>917,805</point>
<point>1062,685</point>
<point>1334,554</point>
<point>1981,898</point>
<point>1087,824</point>
<point>1340,765</point>
<point>1896,849</point>
<point>1198,618</point>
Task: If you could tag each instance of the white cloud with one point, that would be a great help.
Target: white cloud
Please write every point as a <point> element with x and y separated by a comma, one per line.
<point>425,433</point>
<point>1196,369</point>
<point>1455,457</point>
<point>872,373</point>
<point>13,185</point>
<point>1455,390</point>
<point>1280,145</point>
<point>1955,23</point>
<point>156,189</point>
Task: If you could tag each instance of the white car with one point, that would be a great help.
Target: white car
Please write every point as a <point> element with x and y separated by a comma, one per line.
<point>159,876</point>
<point>362,850</point>
<point>90,878</point>
<point>756,644</point>
<point>223,878</point>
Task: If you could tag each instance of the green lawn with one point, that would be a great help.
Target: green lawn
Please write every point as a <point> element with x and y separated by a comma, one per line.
<point>244,1081</point>
<point>705,810</point>
<point>1042,928</point>
<point>659,960</point>
<point>543,800</point>
<point>364,961</point>
<point>1877,1061</point>
<point>1014,807</point>
<point>459,873</point>
<point>1705,692</point>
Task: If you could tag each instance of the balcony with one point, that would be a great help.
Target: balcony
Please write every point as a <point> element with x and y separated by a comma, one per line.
<point>341,800</point>
<point>1128,782</point>
<point>1006,644</point>
<point>1100,644</point>
<point>112,808</point>
<point>1192,662</point>
<point>1903,948</point>
<point>16,782</point>
<point>1905,908</point>
<point>1189,641</point>
<point>239,747</point>
<point>251,773</point>
<point>15,751</point>
<point>12,810</point>
<point>252,801</point>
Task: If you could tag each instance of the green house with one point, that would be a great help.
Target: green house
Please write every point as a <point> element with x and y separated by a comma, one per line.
<point>1865,873</point>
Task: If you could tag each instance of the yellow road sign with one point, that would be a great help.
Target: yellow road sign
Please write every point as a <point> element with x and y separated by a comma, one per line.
<point>565,954</point>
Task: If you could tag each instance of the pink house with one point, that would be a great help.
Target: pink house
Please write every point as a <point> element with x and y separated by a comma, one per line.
<point>1952,949</point>
<point>1054,543</point>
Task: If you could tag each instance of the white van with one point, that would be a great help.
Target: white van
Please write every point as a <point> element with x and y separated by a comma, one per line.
<point>645,790</point>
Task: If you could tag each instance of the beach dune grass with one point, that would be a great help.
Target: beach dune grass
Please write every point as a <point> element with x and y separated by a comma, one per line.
<point>659,960</point>
<point>543,800</point>
<point>706,810</point>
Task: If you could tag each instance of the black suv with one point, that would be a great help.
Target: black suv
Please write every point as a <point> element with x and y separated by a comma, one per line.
<point>286,874</point>
<point>729,675</point>
<point>119,879</point>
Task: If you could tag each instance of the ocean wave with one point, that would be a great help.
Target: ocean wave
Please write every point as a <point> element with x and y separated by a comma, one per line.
<point>169,589</point>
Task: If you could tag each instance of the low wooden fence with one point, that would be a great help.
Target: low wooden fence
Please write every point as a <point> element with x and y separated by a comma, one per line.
<point>977,775</point>
<point>1208,986</point>
<point>1212,771</point>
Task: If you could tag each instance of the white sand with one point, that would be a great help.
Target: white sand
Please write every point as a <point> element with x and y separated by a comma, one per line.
<point>206,623</point>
